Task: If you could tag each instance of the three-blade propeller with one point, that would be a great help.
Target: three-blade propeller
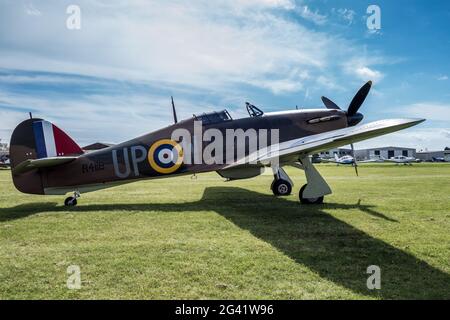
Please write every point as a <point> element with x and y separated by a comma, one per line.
<point>329,104</point>
<point>353,116</point>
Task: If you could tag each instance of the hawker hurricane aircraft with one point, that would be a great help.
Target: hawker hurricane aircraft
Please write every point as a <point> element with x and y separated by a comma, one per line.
<point>45,160</point>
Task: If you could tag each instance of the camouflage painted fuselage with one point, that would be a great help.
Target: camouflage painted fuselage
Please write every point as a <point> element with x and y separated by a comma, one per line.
<point>130,160</point>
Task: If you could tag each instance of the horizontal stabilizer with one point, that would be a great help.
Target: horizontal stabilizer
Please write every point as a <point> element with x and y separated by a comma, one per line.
<point>31,164</point>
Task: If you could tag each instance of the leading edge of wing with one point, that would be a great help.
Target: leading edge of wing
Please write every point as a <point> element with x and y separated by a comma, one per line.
<point>342,137</point>
<point>327,140</point>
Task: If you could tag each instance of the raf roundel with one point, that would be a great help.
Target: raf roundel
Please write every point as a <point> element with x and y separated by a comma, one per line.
<point>165,156</point>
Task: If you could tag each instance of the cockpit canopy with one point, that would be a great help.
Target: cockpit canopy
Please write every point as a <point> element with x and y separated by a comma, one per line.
<point>213,117</point>
<point>222,116</point>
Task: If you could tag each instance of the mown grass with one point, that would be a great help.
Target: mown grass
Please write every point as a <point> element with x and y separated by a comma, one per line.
<point>205,238</point>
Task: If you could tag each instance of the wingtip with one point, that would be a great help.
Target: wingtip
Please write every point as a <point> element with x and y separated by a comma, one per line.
<point>413,121</point>
<point>418,120</point>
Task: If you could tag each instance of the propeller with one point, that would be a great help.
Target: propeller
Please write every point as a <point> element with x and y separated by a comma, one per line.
<point>353,116</point>
<point>354,159</point>
<point>329,104</point>
<point>359,98</point>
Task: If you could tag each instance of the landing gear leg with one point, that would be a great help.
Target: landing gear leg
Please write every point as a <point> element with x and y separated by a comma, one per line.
<point>72,201</point>
<point>282,184</point>
<point>316,187</point>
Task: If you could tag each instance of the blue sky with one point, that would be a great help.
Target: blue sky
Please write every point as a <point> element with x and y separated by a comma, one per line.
<point>112,79</point>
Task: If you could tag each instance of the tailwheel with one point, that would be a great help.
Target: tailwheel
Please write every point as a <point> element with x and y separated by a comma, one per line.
<point>70,202</point>
<point>281,187</point>
<point>303,200</point>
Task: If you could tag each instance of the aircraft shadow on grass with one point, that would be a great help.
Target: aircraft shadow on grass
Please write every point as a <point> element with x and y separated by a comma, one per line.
<point>309,235</point>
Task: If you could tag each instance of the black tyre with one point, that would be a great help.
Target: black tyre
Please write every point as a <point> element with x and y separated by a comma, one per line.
<point>303,200</point>
<point>281,187</point>
<point>70,202</point>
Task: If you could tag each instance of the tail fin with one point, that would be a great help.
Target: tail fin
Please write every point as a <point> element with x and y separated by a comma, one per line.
<point>37,139</point>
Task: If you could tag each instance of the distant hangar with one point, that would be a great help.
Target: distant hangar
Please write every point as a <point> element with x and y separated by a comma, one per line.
<point>430,155</point>
<point>384,152</point>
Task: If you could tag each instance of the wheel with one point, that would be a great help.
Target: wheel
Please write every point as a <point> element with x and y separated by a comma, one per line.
<point>281,187</point>
<point>303,200</point>
<point>70,202</point>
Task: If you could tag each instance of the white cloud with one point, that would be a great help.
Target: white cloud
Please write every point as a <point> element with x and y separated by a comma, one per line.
<point>285,4</point>
<point>309,15</point>
<point>202,44</point>
<point>31,10</point>
<point>418,138</point>
<point>362,67</point>
<point>9,120</point>
<point>366,73</point>
<point>95,117</point>
<point>348,15</point>
<point>328,83</point>
<point>374,32</point>
<point>279,86</point>
<point>435,138</point>
<point>212,46</point>
<point>428,110</point>
<point>38,79</point>
<point>442,78</point>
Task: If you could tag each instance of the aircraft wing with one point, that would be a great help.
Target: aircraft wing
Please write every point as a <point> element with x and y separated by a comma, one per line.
<point>290,151</point>
<point>31,164</point>
<point>400,160</point>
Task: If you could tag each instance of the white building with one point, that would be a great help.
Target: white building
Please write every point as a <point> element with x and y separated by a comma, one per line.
<point>384,152</point>
<point>429,155</point>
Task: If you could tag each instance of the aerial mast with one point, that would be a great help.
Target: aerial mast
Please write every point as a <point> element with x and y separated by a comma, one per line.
<point>174,111</point>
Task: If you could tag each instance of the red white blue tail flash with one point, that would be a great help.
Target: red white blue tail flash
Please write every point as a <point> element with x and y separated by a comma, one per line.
<point>52,141</point>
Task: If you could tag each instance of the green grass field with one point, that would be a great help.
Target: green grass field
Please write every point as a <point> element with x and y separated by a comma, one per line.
<point>205,238</point>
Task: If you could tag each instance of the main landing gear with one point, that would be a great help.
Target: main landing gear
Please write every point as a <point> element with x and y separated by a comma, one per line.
<point>282,184</point>
<point>281,187</point>
<point>311,193</point>
<point>318,200</point>
<point>72,201</point>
